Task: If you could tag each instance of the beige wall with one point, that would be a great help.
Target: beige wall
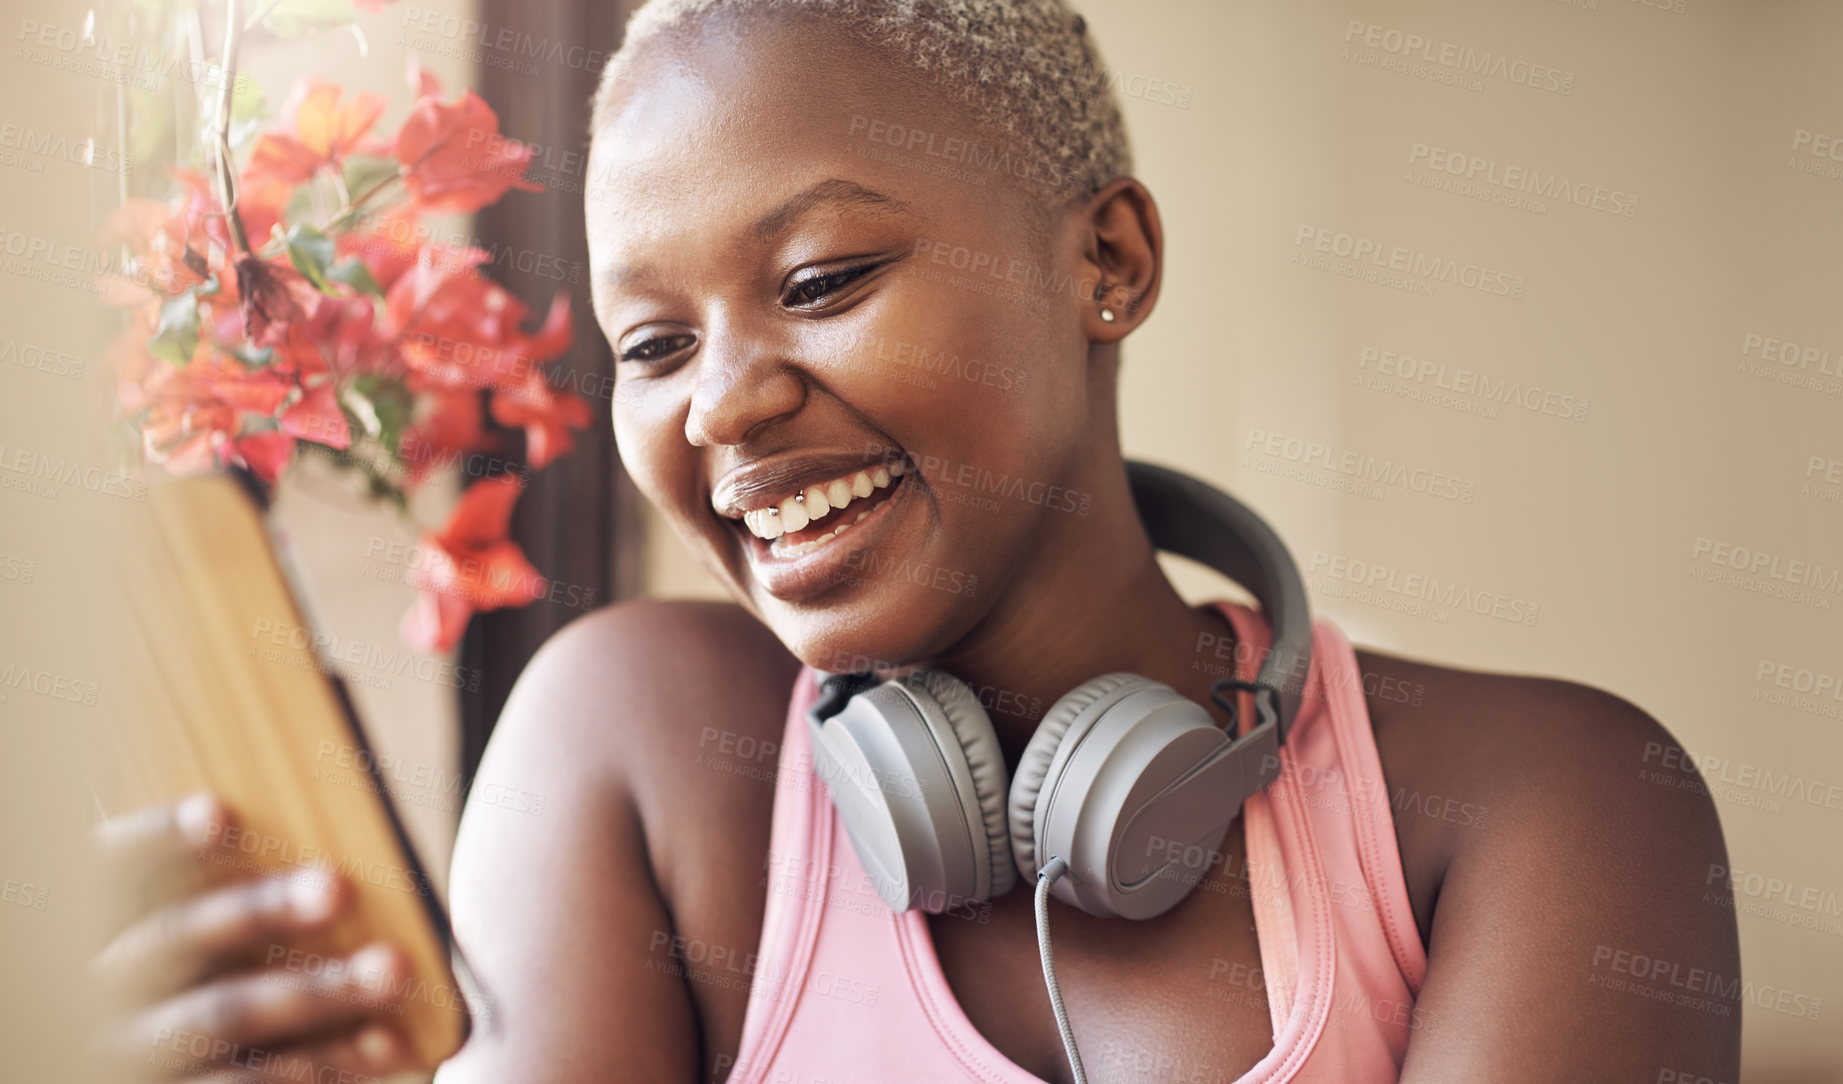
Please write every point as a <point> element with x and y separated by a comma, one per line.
<point>1595,522</point>
<point>51,622</point>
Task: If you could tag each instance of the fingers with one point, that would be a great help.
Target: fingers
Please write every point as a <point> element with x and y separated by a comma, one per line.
<point>184,943</point>
<point>192,1010</point>
<point>160,834</point>
<point>251,1022</point>
<point>152,854</point>
<point>367,1057</point>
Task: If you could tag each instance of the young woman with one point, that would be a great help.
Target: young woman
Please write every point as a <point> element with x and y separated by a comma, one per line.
<point>839,237</point>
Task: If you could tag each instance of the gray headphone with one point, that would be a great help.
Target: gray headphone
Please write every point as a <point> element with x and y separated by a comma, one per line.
<point>1128,782</point>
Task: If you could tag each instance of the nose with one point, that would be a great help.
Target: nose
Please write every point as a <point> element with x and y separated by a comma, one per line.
<point>742,384</point>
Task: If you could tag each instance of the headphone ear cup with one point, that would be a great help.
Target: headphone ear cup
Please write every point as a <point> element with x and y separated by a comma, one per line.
<point>1033,768</point>
<point>946,701</point>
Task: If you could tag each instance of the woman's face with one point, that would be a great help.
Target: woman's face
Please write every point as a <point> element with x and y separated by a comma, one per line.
<point>811,268</point>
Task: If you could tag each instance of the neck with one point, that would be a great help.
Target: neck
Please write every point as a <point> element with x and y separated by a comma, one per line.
<point>1094,601</point>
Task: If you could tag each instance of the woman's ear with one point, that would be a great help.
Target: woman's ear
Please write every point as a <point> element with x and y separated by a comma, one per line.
<point>1123,257</point>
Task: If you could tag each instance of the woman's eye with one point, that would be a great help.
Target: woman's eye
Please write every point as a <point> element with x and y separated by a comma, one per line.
<point>818,287</point>
<point>655,348</point>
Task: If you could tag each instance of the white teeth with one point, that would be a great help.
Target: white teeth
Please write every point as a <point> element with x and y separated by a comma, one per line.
<point>793,515</point>
<point>816,503</point>
<point>763,524</point>
<point>799,548</point>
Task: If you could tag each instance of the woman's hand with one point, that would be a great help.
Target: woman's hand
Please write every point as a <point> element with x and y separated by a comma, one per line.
<point>212,984</point>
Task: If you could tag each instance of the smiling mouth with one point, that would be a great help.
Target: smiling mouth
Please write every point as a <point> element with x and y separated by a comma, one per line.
<point>820,512</point>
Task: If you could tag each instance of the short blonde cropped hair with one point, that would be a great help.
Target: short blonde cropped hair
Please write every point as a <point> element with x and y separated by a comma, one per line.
<point>1024,69</point>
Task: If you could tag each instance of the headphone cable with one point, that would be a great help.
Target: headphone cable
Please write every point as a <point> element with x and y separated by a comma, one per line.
<point>1046,877</point>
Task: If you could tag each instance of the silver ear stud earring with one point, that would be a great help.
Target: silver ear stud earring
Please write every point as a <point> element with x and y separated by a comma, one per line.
<point>1107,315</point>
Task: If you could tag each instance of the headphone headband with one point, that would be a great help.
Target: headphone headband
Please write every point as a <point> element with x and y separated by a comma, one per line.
<point>1193,519</point>
<point>1121,767</point>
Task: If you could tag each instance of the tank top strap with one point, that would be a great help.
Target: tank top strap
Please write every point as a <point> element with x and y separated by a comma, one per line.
<point>794,877</point>
<point>1371,815</point>
<point>1332,807</point>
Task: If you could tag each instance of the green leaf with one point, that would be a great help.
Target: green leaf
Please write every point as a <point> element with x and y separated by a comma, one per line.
<point>176,339</point>
<point>363,172</point>
<point>393,406</point>
<point>353,272</point>
<point>361,410</point>
<point>311,251</point>
<point>255,359</point>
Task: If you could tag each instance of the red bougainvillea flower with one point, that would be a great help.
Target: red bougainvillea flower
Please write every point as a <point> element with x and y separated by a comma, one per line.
<point>558,331</point>
<point>266,453</point>
<point>546,414</point>
<point>156,240</point>
<point>413,290</point>
<point>454,159</point>
<point>348,326</point>
<point>295,352</point>
<point>340,336</point>
<point>183,425</point>
<point>461,330</point>
<point>326,130</point>
<point>469,565</point>
<point>388,244</point>
<point>273,298</point>
<point>316,417</point>
<point>396,241</point>
<point>174,247</point>
<point>452,425</point>
<point>190,416</point>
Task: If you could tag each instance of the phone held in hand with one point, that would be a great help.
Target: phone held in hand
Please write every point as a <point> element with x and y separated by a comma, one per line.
<point>222,690</point>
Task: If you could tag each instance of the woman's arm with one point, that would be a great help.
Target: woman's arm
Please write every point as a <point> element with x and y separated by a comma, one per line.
<point>557,907</point>
<point>1588,932</point>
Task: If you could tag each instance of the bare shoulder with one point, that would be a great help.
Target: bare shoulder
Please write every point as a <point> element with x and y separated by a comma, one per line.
<point>619,684</point>
<point>630,840</point>
<point>650,652</point>
<point>1465,751</point>
<point>677,705</point>
<point>1562,869</point>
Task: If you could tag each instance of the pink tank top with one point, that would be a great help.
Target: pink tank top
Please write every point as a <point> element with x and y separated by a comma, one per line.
<point>844,990</point>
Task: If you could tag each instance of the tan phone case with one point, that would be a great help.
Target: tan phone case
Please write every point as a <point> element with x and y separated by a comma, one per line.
<point>212,698</point>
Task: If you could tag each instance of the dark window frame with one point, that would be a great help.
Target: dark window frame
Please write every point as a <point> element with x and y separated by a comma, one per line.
<point>579,520</point>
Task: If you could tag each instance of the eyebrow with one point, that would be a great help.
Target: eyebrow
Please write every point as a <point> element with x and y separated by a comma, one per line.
<point>832,192</point>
